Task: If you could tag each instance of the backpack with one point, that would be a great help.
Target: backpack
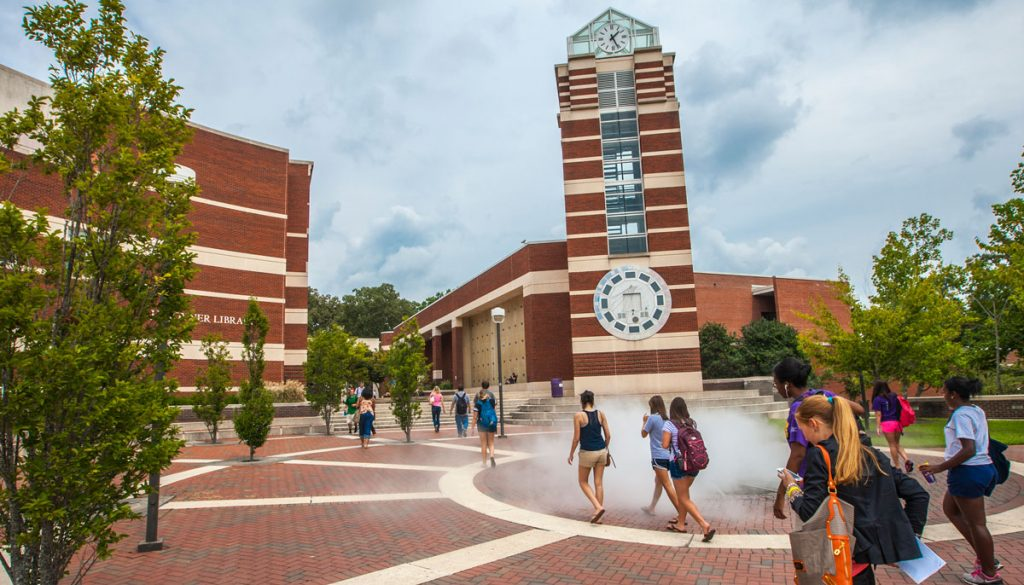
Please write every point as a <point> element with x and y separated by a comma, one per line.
<point>1002,464</point>
<point>487,416</point>
<point>461,404</point>
<point>907,414</point>
<point>691,445</point>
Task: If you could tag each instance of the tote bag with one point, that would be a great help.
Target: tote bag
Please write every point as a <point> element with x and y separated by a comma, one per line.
<point>823,547</point>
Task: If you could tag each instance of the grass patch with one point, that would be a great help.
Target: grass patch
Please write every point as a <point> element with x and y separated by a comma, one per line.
<point>928,433</point>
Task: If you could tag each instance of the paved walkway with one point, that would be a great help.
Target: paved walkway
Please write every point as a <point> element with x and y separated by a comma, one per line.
<point>321,510</point>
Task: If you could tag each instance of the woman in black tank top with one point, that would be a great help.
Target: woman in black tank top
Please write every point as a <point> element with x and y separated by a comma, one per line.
<point>591,434</point>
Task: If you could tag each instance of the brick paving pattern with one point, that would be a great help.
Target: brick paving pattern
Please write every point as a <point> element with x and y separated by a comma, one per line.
<point>324,543</point>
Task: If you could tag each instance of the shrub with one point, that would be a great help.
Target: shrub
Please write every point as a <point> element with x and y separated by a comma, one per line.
<point>290,391</point>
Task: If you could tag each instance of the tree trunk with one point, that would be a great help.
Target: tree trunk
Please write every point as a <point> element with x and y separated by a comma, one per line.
<point>999,378</point>
<point>214,433</point>
<point>252,453</point>
<point>327,419</point>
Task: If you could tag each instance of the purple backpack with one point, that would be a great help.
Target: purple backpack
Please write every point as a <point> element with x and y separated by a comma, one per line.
<point>691,445</point>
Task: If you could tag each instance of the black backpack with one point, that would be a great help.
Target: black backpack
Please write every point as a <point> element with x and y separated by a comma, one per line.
<point>999,460</point>
<point>461,404</point>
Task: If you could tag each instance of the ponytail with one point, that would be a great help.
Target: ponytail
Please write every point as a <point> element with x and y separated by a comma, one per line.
<point>835,412</point>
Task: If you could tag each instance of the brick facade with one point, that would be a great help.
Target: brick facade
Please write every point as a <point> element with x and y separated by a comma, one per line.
<point>251,197</point>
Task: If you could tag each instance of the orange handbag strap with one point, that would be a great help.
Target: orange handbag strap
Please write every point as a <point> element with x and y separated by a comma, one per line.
<point>834,505</point>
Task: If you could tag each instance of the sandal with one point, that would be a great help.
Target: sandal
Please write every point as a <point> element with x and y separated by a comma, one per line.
<point>709,535</point>
<point>595,519</point>
<point>673,527</point>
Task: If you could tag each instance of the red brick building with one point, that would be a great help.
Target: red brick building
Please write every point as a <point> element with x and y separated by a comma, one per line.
<point>616,306</point>
<point>252,220</point>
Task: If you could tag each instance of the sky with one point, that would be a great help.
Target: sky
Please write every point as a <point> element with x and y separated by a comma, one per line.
<point>811,128</point>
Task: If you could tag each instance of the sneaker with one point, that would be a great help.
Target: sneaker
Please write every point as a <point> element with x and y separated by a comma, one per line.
<point>978,577</point>
<point>977,564</point>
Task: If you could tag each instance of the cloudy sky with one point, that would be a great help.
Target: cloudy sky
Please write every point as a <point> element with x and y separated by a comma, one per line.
<point>811,128</point>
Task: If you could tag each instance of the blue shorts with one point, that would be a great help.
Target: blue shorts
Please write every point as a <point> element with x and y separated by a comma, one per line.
<point>659,464</point>
<point>677,472</point>
<point>971,481</point>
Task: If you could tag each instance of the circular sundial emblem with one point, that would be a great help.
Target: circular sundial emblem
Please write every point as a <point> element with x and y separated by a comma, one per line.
<point>632,303</point>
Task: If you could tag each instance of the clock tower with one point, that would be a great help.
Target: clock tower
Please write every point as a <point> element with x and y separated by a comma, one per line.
<point>631,286</point>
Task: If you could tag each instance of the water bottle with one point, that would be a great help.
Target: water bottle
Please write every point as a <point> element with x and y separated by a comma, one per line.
<point>928,476</point>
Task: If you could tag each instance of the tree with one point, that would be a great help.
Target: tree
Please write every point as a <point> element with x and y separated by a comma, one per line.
<point>92,312</point>
<point>252,422</point>
<point>719,352</point>
<point>324,311</point>
<point>763,343</point>
<point>909,330</point>
<point>406,368</point>
<point>430,300</point>
<point>212,385</point>
<point>335,360</point>
<point>372,309</point>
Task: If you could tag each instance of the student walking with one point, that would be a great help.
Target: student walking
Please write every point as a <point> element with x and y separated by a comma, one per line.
<point>864,478</point>
<point>366,406</point>
<point>886,405</point>
<point>971,476</point>
<point>351,398</point>
<point>790,380</point>
<point>682,470</point>
<point>436,407</point>
<point>460,406</point>
<point>590,432</point>
<point>486,422</point>
<point>653,430</point>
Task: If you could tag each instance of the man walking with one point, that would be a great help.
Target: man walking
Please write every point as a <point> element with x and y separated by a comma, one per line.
<point>460,406</point>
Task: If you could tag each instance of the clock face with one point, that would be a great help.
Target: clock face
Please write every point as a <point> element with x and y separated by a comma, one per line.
<point>612,38</point>
<point>632,303</point>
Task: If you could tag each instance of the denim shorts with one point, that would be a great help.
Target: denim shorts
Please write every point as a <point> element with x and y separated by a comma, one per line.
<point>677,472</point>
<point>659,464</point>
<point>971,481</point>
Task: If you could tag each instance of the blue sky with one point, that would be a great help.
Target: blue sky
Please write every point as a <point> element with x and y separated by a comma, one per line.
<point>810,128</point>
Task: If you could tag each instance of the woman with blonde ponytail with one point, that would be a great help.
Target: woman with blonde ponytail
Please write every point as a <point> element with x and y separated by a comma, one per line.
<point>864,477</point>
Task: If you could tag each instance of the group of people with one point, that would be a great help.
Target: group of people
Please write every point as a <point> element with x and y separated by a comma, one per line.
<point>360,412</point>
<point>674,472</point>
<point>482,408</point>
<point>890,507</point>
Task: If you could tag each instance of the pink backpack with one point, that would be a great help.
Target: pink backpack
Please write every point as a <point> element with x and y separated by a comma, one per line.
<point>907,414</point>
<point>691,445</point>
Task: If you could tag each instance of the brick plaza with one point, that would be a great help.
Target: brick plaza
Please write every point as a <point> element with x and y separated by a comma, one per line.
<point>320,510</point>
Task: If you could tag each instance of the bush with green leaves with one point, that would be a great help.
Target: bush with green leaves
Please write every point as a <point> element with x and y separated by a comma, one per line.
<point>407,368</point>
<point>212,385</point>
<point>253,420</point>
<point>334,361</point>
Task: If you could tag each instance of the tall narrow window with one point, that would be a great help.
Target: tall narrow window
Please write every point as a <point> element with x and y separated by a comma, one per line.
<point>623,175</point>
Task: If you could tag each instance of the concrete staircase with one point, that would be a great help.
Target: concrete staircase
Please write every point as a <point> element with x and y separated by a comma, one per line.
<point>385,421</point>
<point>559,411</point>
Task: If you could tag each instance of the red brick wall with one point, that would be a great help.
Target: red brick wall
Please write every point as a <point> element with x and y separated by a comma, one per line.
<point>238,172</point>
<point>727,299</point>
<point>794,296</point>
<point>548,335</point>
<point>637,362</point>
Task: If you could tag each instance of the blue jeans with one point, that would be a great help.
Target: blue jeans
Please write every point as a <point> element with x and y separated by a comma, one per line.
<point>462,423</point>
<point>435,413</point>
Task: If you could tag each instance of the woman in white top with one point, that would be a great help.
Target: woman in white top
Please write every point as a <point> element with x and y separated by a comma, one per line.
<point>971,475</point>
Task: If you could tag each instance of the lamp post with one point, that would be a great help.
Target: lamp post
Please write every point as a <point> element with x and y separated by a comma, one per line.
<point>498,316</point>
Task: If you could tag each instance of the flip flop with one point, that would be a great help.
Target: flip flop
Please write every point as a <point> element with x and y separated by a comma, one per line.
<point>597,516</point>
<point>709,535</point>
<point>673,527</point>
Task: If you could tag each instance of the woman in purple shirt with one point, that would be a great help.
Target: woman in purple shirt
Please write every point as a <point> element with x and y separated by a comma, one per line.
<point>886,404</point>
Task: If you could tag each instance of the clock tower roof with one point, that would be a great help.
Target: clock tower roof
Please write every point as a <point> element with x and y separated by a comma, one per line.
<point>587,41</point>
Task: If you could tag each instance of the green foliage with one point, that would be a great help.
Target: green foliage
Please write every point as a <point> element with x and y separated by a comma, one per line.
<point>252,422</point>
<point>372,309</point>
<point>324,311</point>
<point>996,324</point>
<point>719,352</point>
<point>406,367</point>
<point>254,335</point>
<point>764,343</point>
<point>288,391</point>
<point>335,360</point>
<point>909,330</point>
<point>430,300</point>
<point>212,384</point>
<point>93,313</point>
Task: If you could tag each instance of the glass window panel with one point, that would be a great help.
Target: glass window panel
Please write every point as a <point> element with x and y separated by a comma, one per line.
<point>624,150</point>
<point>627,245</point>
<point>626,225</point>
<point>624,203</point>
<point>623,171</point>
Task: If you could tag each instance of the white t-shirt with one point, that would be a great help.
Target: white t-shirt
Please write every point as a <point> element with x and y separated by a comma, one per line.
<point>968,422</point>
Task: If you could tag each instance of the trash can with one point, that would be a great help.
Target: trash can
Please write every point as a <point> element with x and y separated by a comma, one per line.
<point>556,387</point>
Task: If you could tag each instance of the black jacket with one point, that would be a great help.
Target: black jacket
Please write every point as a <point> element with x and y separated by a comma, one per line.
<point>885,531</point>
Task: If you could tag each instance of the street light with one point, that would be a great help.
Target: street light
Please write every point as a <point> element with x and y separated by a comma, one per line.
<point>498,316</point>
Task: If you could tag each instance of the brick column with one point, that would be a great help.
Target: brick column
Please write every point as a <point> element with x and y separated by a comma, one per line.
<point>457,353</point>
<point>435,352</point>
